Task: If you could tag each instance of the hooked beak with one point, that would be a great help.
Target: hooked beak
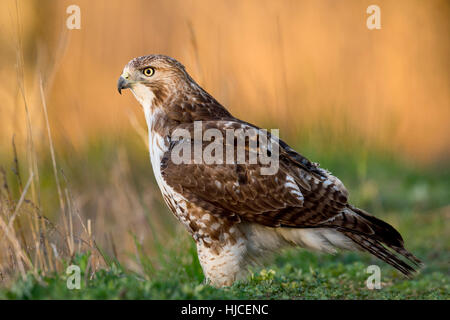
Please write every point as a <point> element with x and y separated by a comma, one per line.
<point>122,84</point>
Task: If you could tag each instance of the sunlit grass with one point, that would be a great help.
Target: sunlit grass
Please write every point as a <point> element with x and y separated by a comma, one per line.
<point>157,259</point>
<point>293,275</point>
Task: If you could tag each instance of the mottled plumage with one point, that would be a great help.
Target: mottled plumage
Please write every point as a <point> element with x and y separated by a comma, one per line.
<point>235,214</point>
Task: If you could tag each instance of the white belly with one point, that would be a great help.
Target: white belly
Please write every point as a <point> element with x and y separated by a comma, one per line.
<point>157,149</point>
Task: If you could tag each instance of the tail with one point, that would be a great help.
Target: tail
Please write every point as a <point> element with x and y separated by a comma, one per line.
<point>377,237</point>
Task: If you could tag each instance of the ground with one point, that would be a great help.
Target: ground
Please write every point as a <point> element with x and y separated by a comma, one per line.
<point>414,199</point>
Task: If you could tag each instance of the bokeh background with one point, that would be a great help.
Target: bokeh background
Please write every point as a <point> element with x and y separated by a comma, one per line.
<point>300,64</point>
<point>371,105</point>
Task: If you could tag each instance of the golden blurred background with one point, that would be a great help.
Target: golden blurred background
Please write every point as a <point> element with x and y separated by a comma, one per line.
<point>306,67</point>
<point>310,68</point>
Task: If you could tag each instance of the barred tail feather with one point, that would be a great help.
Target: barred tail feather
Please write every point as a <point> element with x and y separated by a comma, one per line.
<point>383,241</point>
<point>380,251</point>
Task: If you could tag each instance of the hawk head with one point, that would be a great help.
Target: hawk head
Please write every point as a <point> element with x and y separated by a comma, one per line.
<point>161,83</point>
<point>151,78</point>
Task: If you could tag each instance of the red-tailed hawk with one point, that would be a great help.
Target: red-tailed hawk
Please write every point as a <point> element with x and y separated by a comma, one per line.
<point>235,212</point>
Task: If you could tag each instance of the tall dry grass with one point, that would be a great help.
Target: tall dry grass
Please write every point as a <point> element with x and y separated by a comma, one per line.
<point>30,241</point>
<point>109,220</point>
<point>35,239</point>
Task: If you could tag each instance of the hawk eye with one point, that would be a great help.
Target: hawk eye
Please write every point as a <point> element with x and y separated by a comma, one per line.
<point>149,71</point>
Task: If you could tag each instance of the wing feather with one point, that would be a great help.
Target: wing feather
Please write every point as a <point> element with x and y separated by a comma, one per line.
<point>299,194</point>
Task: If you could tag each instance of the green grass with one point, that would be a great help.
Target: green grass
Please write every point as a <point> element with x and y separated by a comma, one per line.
<point>294,274</point>
<point>415,200</point>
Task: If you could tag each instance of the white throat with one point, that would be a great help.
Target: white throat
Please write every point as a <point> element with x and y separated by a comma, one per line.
<point>157,148</point>
<point>145,97</point>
